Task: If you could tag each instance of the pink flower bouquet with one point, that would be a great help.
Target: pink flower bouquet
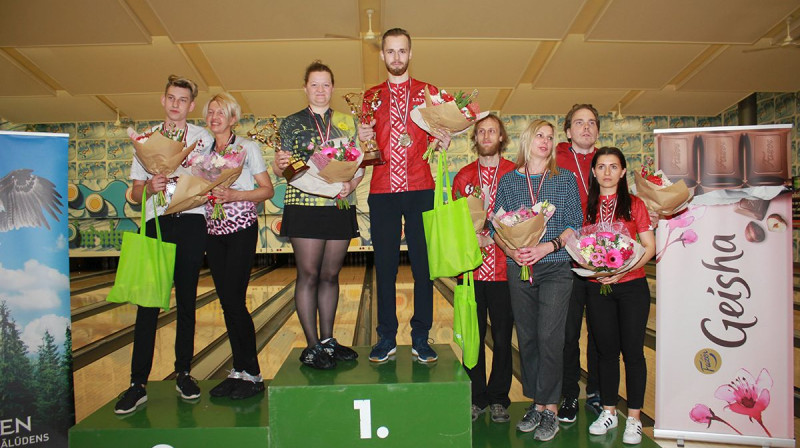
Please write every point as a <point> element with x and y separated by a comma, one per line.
<point>331,163</point>
<point>523,228</point>
<point>208,171</point>
<point>602,250</point>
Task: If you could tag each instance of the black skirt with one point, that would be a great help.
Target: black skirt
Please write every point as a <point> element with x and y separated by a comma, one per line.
<point>319,222</point>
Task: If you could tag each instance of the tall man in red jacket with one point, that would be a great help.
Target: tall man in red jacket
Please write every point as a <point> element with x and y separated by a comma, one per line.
<point>489,140</point>
<point>582,126</point>
<point>401,189</point>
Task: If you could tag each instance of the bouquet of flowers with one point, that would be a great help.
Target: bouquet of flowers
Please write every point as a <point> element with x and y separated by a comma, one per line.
<point>659,194</point>
<point>160,151</point>
<point>602,250</point>
<point>207,172</point>
<point>332,163</point>
<point>222,168</point>
<point>523,228</point>
<point>451,113</point>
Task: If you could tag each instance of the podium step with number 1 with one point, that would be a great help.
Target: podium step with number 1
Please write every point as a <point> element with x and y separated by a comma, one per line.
<point>400,402</point>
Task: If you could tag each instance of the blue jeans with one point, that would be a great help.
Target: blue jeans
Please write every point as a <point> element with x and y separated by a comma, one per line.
<point>540,313</point>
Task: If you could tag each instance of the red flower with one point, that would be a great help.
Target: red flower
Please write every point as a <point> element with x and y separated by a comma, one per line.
<point>446,96</point>
<point>655,180</point>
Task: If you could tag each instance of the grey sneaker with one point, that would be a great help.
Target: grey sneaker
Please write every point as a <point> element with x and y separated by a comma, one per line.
<point>499,413</point>
<point>530,420</point>
<point>548,428</point>
<point>476,412</point>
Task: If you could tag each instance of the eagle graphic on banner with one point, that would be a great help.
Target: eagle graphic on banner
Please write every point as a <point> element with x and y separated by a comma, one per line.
<point>24,197</point>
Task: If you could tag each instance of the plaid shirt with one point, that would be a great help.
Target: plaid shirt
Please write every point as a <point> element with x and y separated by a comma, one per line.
<point>561,190</point>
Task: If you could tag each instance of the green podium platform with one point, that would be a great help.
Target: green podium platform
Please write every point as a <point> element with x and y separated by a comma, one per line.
<point>486,433</point>
<point>168,420</point>
<point>398,403</point>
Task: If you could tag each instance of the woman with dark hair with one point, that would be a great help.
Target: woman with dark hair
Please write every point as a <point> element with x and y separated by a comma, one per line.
<point>540,306</point>
<point>618,320</point>
<point>318,230</point>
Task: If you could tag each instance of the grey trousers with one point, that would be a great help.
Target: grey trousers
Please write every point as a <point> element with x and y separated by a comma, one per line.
<point>540,314</point>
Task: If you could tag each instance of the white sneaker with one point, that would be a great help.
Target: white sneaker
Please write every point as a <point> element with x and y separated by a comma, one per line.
<point>604,422</point>
<point>633,432</point>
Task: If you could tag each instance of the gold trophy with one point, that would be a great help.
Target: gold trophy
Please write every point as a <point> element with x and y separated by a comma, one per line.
<point>269,135</point>
<point>372,155</point>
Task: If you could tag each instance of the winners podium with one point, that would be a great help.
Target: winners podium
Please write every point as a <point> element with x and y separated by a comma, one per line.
<point>398,403</point>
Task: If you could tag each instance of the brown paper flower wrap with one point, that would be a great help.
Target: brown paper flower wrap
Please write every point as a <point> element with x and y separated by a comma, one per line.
<point>159,154</point>
<point>664,201</point>
<point>446,116</point>
<point>524,234</point>
<point>191,191</point>
<point>477,213</point>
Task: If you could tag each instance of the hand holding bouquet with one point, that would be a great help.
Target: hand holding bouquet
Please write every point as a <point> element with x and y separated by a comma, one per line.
<point>218,169</point>
<point>331,164</point>
<point>523,228</point>
<point>337,163</point>
<point>207,172</point>
<point>160,152</point>
<point>659,194</point>
<point>603,250</point>
<point>453,114</point>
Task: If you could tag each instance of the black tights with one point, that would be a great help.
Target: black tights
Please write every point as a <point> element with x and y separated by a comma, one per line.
<point>317,290</point>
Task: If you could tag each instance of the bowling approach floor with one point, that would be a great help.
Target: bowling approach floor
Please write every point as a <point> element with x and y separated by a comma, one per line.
<point>102,338</point>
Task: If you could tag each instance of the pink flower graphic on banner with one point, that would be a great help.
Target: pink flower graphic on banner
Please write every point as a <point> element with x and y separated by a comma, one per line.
<point>688,236</point>
<point>748,396</point>
<point>701,413</point>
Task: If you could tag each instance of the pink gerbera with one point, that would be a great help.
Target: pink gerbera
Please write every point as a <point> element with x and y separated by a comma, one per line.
<point>614,259</point>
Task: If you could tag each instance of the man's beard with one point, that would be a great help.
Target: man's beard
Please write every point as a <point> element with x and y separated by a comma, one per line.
<point>490,151</point>
<point>397,71</point>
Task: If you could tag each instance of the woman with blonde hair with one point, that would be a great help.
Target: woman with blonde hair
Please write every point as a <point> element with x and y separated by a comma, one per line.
<point>540,305</point>
<point>232,244</point>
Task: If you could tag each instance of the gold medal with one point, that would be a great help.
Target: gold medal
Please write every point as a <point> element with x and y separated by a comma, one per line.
<point>405,140</point>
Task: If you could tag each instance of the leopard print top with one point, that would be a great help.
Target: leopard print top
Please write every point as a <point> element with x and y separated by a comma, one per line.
<point>240,215</point>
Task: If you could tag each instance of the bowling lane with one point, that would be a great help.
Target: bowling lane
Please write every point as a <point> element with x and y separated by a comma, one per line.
<point>101,381</point>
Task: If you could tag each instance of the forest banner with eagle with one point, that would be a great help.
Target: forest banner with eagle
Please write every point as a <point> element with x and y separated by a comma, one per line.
<point>36,395</point>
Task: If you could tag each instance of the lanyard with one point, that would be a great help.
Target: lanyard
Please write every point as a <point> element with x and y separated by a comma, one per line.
<point>396,104</point>
<point>530,187</point>
<point>493,185</point>
<point>230,142</point>
<point>580,171</point>
<point>323,138</point>
<point>603,217</point>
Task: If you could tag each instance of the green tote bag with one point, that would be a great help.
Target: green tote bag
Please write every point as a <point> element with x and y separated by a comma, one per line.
<point>465,321</point>
<point>452,244</point>
<point>146,266</point>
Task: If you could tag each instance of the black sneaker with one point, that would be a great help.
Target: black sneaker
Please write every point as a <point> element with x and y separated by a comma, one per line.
<point>337,351</point>
<point>594,404</point>
<point>423,351</point>
<point>227,385</point>
<point>317,358</point>
<point>568,411</point>
<point>247,386</point>
<point>131,399</point>
<point>187,386</point>
<point>383,350</point>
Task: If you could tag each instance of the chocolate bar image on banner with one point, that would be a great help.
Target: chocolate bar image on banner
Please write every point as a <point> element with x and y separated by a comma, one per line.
<point>721,160</point>
<point>766,157</point>
<point>677,157</point>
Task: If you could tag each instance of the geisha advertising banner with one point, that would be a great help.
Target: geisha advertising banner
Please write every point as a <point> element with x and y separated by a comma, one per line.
<point>36,400</point>
<point>724,319</point>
